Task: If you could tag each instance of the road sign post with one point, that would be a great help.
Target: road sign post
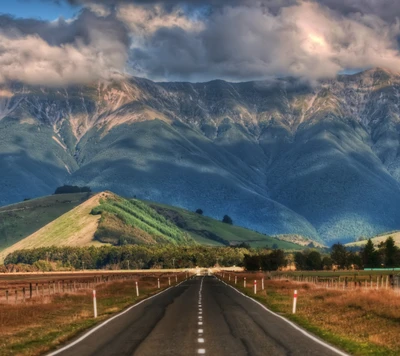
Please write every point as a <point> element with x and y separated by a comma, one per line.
<point>137,289</point>
<point>94,304</point>
<point>294,301</point>
<point>255,287</point>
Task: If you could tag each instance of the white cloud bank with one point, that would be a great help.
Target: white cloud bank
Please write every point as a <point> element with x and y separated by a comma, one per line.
<point>235,42</point>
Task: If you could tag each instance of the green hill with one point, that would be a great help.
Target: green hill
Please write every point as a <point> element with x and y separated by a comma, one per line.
<point>106,218</point>
<point>134,222</point>
<point>20,220</point>
<point>208,231</point>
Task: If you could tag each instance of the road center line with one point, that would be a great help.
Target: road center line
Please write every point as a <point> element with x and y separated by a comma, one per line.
<point>200,322</point>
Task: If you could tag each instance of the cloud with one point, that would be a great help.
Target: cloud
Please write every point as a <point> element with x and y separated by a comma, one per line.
<point>306,40</point>
<point>388,10</point>
<point>202,40</point>
<point>144,21</point>
<point>61,53</point>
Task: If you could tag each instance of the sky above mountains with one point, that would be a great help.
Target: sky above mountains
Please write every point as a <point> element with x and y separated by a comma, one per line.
<point>63,42</point>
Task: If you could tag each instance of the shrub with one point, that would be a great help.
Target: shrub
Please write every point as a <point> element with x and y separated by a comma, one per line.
<point>199,211</point>
<point>67,189</point>
<point>227,220</point>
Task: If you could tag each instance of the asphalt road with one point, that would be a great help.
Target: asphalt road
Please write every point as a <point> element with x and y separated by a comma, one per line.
<point>200,316</point>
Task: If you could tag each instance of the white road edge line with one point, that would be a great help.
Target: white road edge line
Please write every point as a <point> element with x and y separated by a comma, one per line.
<point>84,336</point>
<point>312,337</point>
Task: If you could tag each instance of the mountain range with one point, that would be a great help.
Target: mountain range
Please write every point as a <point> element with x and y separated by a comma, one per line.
<point>279,156</point>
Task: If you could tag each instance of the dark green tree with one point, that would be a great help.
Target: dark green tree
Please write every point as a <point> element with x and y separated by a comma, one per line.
<point>313,261</point>
<point>339,255</point>
<point>276,259</point>
<point>369,255</point>
<point>227,220</point>
<point>199,211</point>
<point>300,261</point>
<point>391,252</point>
<point>252,262</point>
<point>67,189</point>
<point>327,263</point>
<point>354,259</point>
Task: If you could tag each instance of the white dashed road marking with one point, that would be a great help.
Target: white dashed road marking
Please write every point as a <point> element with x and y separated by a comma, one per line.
<point>200,340</point>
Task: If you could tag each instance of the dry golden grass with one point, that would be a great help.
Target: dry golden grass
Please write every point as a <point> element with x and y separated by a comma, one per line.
<point>362,321</point>
<point>40,324</point>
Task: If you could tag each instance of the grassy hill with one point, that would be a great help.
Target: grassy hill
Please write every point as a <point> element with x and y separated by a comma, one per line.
<point>134,222</point>
<point>208,231</point>
<point>20,220</point>
<point>378,239</point>
<point>74,228</point>
<point>106,218</point>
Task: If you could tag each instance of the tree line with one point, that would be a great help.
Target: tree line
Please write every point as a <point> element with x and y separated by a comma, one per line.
<point>386,255</point>
<point>128,257</point>
<point>142,257</point>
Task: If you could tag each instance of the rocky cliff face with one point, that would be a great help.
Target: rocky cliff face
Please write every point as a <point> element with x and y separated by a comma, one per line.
<point>279,157</point>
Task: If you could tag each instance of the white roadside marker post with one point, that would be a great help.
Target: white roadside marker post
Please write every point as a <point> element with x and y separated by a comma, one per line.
<point>158,283</point>
<point>244,282</point>
<point>229,277</point>
<point>169,281</point>
<point>262,283</point>
<point>235,279</point>
<point>94,304</point>
<point>294,301</point>
<point>176,278</point>
<point>255,287</point>
<point>137,289</point>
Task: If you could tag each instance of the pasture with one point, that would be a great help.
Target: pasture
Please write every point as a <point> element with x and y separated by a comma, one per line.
<point>45,310</point>
<point>361,318</point>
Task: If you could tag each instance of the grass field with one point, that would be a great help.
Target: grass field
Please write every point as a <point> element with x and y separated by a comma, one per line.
<point>339,273</point>
<point>134,222</point>
<point>40,324</point>
<point>74,228</point>
<point>20,220</point>
<point>357,320</point>
<point>212,232</point>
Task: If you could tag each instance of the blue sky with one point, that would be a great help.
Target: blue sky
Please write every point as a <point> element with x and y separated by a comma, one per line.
<point>37,9</point>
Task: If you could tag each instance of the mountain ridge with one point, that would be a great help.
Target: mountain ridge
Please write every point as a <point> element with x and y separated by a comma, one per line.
<point>280,157</point>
